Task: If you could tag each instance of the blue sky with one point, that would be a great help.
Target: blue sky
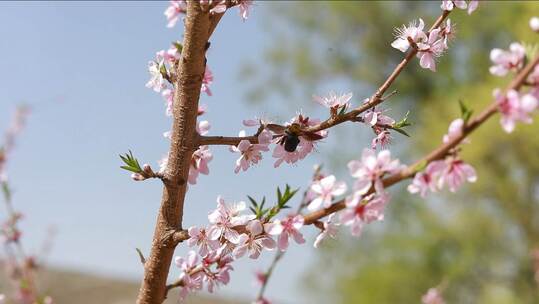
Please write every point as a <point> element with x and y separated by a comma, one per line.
<point>81,66</point>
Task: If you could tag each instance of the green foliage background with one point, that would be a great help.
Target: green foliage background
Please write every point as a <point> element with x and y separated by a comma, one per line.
<point>475,244</point>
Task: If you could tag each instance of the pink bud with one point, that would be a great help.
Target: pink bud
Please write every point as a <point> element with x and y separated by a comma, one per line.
<point>137,177</point>
<point>534,24</point>
<point>147,169</point>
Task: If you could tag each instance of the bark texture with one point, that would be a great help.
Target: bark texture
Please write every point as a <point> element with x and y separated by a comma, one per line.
<point>190,71</point>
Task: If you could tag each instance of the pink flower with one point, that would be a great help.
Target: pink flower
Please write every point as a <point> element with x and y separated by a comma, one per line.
<point>377,118</point>
<point>455,130</point>
<point>324,190</point>
<point>289,227</point>
<point>447,5</point>
<point>433,296</point>
<point>383,138</point>
<point>174,10</point>
<point>472,6</point>
<point>253,242</point>
<point>413,31</point>
<point>358,213</point>
<point>304,147</point>
<point>330,229</point>
<point>199,237</point>
<point>219,8</point>
<point>156,82</point>
<point>207,81</point>
<point>244,6</point>
<point>505,61</point>
<point>169,56</point>
<point>448,33</point>
<point>203,127</point>
<point>514,108</point>
<point>191,282</point>
<point>168,95</point>
<point>256,122</point>
<point>371,168</point>
<point>455,173</point>
<point>433,48</point>
<point>225,218</point>
<point>199,164</point>
<point>427,180</point>
<point>534,24</point>
<point>251,153</point>
<point>333,100</point>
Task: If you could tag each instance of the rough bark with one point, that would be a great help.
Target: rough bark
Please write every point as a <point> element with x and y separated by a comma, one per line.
<point>187,92</point>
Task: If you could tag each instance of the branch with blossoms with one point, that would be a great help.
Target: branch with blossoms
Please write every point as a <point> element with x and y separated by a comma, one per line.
<point>181,75</point>
<point>21,268</point>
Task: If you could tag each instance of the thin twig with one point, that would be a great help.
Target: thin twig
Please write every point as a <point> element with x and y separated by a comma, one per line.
<point>352,115</point>
<point>437,153</point>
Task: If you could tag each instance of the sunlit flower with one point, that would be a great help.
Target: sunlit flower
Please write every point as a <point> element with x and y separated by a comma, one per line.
<point>371,168</point>
<point>360,211</point>
<point>157,81</point>
<point>224,218</point>
<point>324,190</point>
<point>251,153</point>
<point>289,227</point>
<point>253,242</point>
<point>428,179</point>
<point>333,100</point>
<point>455,173</point>
<point>515,108</point>
<point>207,81</point>
<point>174,10</point>
<point>431,49</point>
<point>244,7</point>
<point>199,237</point>
<point>330,229</point>
<point>414,31</point>
<point>505,61</point>
<point>199,164</point>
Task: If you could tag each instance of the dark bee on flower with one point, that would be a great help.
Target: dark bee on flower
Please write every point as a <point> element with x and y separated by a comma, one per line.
<point>290,135</point>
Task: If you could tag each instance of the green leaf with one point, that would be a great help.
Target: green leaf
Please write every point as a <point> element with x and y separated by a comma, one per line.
<point>465,112</point>
<point>6,191</point>
<point>401,131</point>
<point>403,122</point>
<point>131,162</point>
<point>253,202</point>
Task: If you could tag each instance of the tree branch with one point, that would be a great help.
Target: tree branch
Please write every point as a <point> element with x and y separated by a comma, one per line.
<point>190,71</point>
<point>437,153</point>
<point>352,115</point>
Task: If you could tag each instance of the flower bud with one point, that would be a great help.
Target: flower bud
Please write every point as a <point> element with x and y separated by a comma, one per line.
<point>147,169</point>
<point>137,177</point>
<point>534,24</point>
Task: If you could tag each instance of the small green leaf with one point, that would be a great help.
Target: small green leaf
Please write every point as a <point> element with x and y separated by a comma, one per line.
<point>401,131</point>
<point>6,191</point>
<point>253,202</point>
<point>465,112</point>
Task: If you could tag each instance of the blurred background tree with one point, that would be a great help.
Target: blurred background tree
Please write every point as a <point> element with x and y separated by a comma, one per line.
<point>475,244</point>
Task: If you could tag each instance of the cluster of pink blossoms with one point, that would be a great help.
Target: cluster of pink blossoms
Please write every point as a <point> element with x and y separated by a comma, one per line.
<point>429,45</point>
<point>448,5</point>
<point>178,8</point>
<point>230,236</point>
<point>514,106</point>
<point>450,171</point>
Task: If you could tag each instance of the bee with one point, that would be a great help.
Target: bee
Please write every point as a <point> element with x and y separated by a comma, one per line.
<point>291,135</point>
